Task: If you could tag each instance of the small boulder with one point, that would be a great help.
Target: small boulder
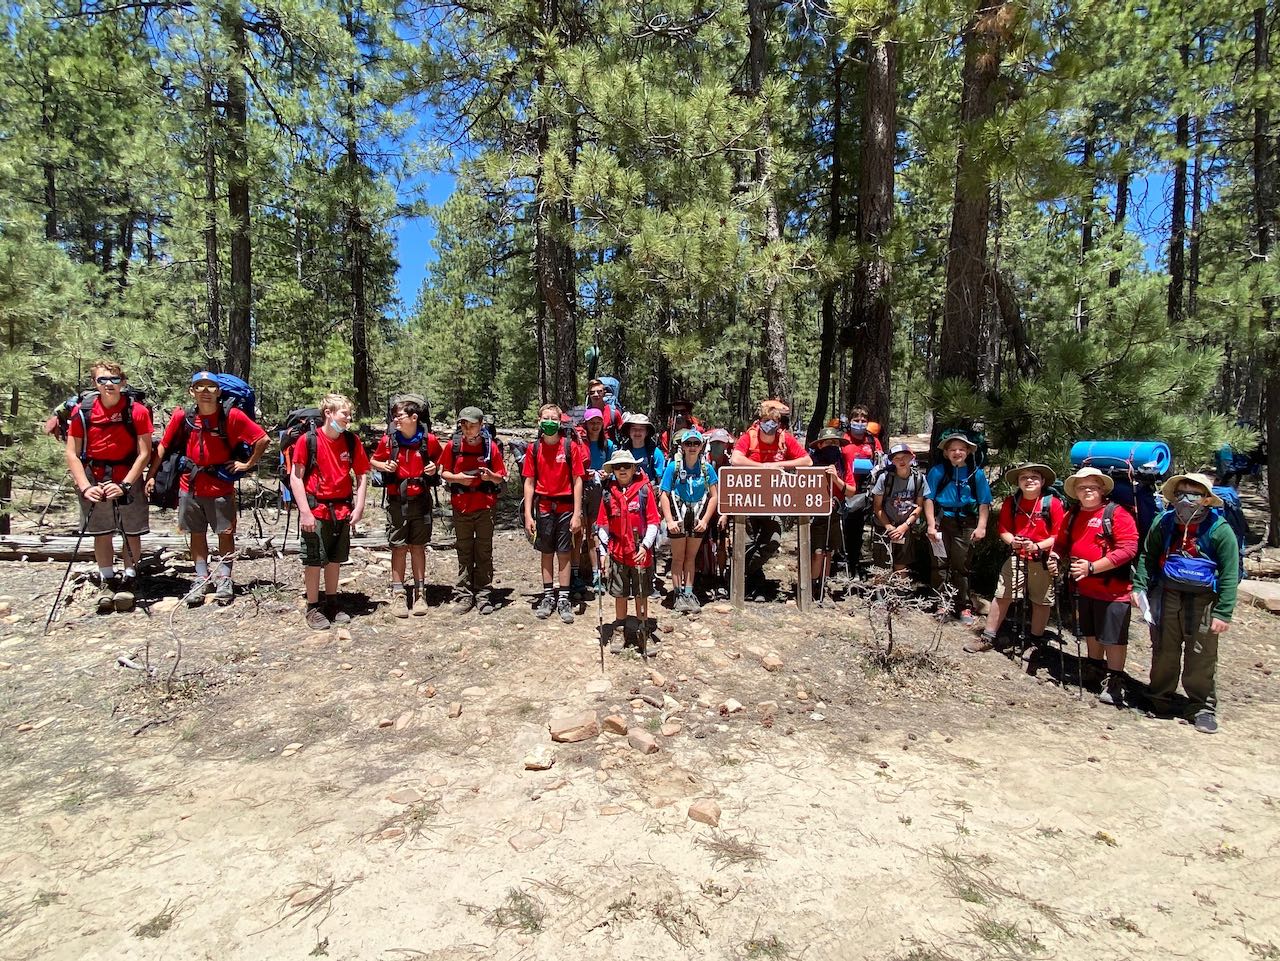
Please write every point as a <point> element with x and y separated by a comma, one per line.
<point>403,720</point>
<point>657,679</point>
<point>730,706</point>
<point>578,727</point>
<point>642,741</point>
<point>705,811</point>
<point>541,759</point>
<point>671,729</point>
<point>771,663</point>
<point>406,795</point>
<point>615,724</point>
<point>455,709</point>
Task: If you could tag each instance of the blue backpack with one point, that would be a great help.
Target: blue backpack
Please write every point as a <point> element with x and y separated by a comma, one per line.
<point>1181,572</point>
<point>1233,514</point>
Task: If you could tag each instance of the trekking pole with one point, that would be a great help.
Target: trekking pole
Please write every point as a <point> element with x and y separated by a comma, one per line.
<point>1069,591</point>
<point>1021,561</point>
<point>65,574</point>
<point>1062,652</point>
<point>599,617</point>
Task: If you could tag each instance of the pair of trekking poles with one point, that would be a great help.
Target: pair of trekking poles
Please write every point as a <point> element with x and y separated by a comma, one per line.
<point>129,559</point>
<point>1022,574</point>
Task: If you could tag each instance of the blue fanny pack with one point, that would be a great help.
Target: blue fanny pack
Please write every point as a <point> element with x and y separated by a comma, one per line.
<point>1191,575</point>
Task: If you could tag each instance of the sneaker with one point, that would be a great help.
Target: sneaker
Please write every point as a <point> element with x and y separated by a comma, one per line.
<point>679,602</point>
<point>399,602</point>
<point>316,619</point>
<point>722,592</point>
<point>966,618</point>
<point>486,607</point>
<point>223,591</point>
<point>617,639</point>
<point>1206,723</point>
<point>202,586</point>
<point>577,586</point>
<point>565,609</point>
<point>691,603</point>
<point>546,606</point>
<point>107,596</point>
<point>335,614</point>
<point>462,602</point>
<point>420,607</point>
<point>983,642</point>
<point>1114,692</point>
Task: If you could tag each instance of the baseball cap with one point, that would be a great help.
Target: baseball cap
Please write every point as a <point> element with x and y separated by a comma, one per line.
<point>473,414</point>
<point>204,375</point>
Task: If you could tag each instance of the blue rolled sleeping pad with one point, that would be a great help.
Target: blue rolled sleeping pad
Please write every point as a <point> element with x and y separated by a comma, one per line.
<point>1150,457</point>
<point>863,465</point>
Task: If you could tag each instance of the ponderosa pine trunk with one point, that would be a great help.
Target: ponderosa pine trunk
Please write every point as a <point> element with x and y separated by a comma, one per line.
<point>960,347</point>
<point>1122,211</point>
<point>1086,227</point>
<point>827,338</point>
<point>49,171</point>
<point>1176,309</point>
<point>873,309</point>
<point>239,319</point>
<point>1266,212</point>
<point>212,266</point>
<point>357,241</point>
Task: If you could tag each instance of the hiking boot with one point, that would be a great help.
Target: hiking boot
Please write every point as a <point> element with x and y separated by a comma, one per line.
<point>1206,723</point>
<point>107,596</point>
<point>201,587</point>
<point>680,602</point>
<point>462,602</point>
<point>484,604</point>
<point>691,603</point>
<point>985,641</point>
<point>399,602</point>
<point>577,586</point>
<point>1114,692</point>
<point>316,619</point>
<point>617,639</point>
<point>565,609</point>
<point>335,614</point>
<point>966,618</point>
<point>420,607</point>
<point>223,591</point>
<point>546,606</point>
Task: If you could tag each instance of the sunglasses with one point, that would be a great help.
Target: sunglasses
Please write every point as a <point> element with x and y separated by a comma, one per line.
<point>109,380</point>
<point>206,388</point>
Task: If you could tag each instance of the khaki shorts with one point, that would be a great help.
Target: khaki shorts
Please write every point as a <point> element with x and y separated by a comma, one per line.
<point>1038,577</point>
<point>329,543</point>
<point>627,581</point>
<point>408,528</point>
<point>101,517</point>
<point>198,515</point>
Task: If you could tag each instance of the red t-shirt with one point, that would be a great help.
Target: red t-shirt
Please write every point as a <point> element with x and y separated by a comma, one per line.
<point>555,476</point>
<point>207,448</point>
<point>331,477</point>
<point>620,512</point>
<point>866,449</point>
<point>665,440</point>
<point>469,459</point>
<point>1028,521</point>
<point>409,462</point>
<point>783,447</point>
<point>109,438</point>
<point>1088,542</point>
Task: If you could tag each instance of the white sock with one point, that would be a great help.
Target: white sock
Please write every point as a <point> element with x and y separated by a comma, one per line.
<point>106,573</point>
<point>224,570</point>
<point>130,572</point>
<point>202,568</point>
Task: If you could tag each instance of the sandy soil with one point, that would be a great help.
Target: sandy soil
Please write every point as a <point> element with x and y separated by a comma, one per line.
<point>309,795</point>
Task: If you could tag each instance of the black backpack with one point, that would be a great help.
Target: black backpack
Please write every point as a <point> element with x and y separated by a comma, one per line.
<point>486,460</point>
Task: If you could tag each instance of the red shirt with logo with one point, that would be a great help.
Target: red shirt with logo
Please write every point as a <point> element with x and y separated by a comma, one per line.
<point>866,449</point>
<point>109,438</point>
<point>330,479</point>
<point>1023,518</point>
<point>555,474</point>
<point>409,462</point>
<point>470,457</point>
<point>783,446</point>
<point>1084,538</point>
<point>626,520</point>
<point>207,447</point>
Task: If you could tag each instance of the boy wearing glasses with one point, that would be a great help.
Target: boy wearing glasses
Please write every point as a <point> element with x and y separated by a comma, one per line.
<point>207,498</point>
<point>108,448</point>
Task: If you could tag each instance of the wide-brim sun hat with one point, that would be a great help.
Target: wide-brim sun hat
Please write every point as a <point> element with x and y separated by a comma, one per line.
<point>1069,485</point>
<point>951,435</point>
<point>619,459</point>
<point>831,433</point>
<point>1046,473</point>
<point>633,419</point>
<point>1168,490</point>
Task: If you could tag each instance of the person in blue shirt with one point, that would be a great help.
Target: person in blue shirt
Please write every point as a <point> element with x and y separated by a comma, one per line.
<point>599,449</point>
<point>689,500</point>
<point>956,509</point>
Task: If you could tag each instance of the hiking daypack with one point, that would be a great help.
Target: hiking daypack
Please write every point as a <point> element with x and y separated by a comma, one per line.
<point>84,401</point>
<point>391,478</point>
<point>378,478</point>
<point>1183,572</point>
<point>235,394</point>
<point>949,477</point>
<point>486,460</point>
<point>1137,494</point>
<point>313,441</point>
<point>913,485</point>
<point>297,423</point>
<point>1046,509</point>
<point>1233,513</point>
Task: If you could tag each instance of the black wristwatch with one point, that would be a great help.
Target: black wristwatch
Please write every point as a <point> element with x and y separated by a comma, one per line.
<point>1091,567</point>
<point>126,487</point>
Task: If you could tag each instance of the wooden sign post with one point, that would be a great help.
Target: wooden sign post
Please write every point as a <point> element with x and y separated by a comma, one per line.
<point>760,491</point>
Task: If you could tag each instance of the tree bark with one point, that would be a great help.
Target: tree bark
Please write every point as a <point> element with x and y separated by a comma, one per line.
<point>827,340</point>
<point>47,166</point>
<point>960,348</point>
<point>357,240</point>
<point>1266,211</point>
<point>1178,222</point>
<point>1122,211</point>
<point>1086,227</point>
<point>872,307</point>
<point>1197,201</point>
<point>239,320</point>
<point>212,267</point>
<point>6,439</point>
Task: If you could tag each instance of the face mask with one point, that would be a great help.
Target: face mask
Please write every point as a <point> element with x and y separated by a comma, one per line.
<point>769,426</point>
<point>334,425</point>
<point>717,450</point>
<point>1188,508</point>
<point>858,429</point>
<point>549,427</point>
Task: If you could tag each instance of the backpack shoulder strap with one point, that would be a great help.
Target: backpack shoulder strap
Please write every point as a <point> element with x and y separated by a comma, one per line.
<point>126,416</point>
<point>1046,512</point>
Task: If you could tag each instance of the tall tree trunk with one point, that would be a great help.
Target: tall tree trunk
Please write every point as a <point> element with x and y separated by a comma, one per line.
<point>47,166</point>
<point>128,221</point>
<point>1086,227</point>
<point>212,266</point>
<point>827,339</point>
<point>872,307</point>
<point>1178,223</point>
<point>306,352</point>
<point>7,466</point>
<point>239,320</point>
<point>1122,211</point>
<point>1197,201</point>
<point>776,371</point>
<point>960,349</point>
<point>1266,211</point>
<point>357,240</point>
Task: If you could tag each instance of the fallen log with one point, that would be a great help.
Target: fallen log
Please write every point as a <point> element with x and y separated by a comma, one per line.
<point>50,547</point>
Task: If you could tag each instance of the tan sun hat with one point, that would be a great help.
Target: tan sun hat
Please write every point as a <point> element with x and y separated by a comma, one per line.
<point>1012,475</point>
<point>1168,488</point>
<point>1069,485</point>
<point>620,458</point>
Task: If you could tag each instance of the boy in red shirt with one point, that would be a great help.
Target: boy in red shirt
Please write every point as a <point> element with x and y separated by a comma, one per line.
<point>553,470</point>
<point>108,448</point>
<point>766,443</point>
<point>1099,574</point>
<point>408,501</point>
<point>208,446</point>
<point>329,503</point>
<point>472,467</point>
<point>627,528</point>
<point>865,446</point>
<point>1022,525</point>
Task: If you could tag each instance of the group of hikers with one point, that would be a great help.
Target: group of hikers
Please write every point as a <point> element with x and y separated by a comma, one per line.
<point>601,496</point>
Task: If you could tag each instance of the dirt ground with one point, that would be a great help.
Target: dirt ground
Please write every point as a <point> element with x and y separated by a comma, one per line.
<point>293,794</point>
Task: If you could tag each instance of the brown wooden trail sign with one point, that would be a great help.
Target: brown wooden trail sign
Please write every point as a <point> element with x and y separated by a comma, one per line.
<point>803,493</point>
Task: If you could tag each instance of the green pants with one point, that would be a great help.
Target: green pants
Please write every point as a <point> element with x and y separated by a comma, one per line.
<point>475,552</point>
<point>957,536</point>
<point>1183,644</point>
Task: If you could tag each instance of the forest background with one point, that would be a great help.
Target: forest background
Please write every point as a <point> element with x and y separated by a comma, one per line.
<point>1055,218</point>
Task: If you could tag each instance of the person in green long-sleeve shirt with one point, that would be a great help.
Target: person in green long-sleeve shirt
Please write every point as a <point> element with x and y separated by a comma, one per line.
<point>1187,576</point>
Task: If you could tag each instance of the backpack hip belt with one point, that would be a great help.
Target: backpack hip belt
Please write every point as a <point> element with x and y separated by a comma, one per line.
<point>313,502</point>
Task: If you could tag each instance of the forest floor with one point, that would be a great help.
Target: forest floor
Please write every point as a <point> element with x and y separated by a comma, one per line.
<point>363,794</point>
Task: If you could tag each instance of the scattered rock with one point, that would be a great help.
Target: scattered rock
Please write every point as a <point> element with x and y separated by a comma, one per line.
<point>657,679</point>
<point>637,703</point>
<point>25,727</point>
<point>598,685</point>
<point>397,673</point>
<point>437,780</point>
<point>612,810</point>
<point>615,724</point>
<point>730,706</point>
<point>553,822</point>
<point>473,692</point>
<point>427,690</point>
<point>771,662</point>
<point>455,709</point>
<point>5,607</point>
<point>671,729</point>
<point>385,722</point>
<point>802,695</point>
<point>767,708</point>
<point>642,740</point>
<point>541,759</point>
<point>578,727</point>
<point>1263,594</point>
<point>705,642</point>
<point>526,840</point>
<point>343,635</point>
<point>5,665</point>
<point>403,720</point>
<point>291,749</point>
<point>344,667</point>
<point>406,795</point>
<point>721,608</point>
<point>705,811</point>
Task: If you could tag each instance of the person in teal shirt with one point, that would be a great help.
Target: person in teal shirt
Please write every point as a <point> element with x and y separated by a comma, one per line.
<point>689,499</point>
<point>956,509</point>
